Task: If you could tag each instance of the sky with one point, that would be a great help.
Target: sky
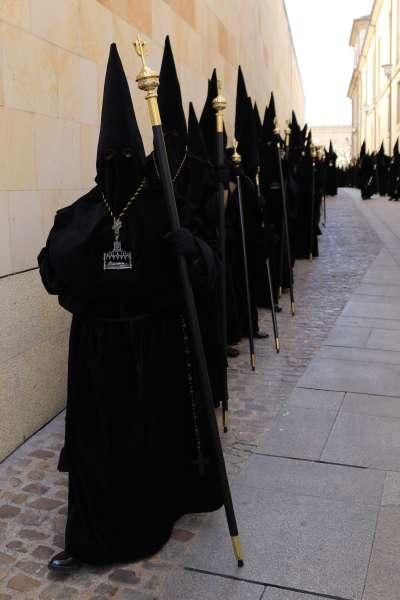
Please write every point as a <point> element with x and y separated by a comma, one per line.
<point>321,31</point>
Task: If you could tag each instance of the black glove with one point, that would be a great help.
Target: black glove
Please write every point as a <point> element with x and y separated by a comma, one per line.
<point>183,243</point>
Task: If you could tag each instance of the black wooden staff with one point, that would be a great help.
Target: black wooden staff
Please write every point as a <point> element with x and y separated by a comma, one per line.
<point>237,161</point>
<point>323,158</point>
<point>285,224</point>
<point>313,157</point>
<point>148,81</point>
<point>219,105</point>
<point>269,278</point>
<point>377,179</point>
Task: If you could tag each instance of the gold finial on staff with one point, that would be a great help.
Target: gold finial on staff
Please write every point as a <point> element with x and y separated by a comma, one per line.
<point>219,105</point>
<point>236,158</point>
<point>288,132</point>
<point>313,151</point>
<point>148,81</point>
<point>277,131</point>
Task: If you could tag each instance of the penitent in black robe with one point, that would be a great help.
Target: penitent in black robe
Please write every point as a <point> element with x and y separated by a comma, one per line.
<point>133,407</point>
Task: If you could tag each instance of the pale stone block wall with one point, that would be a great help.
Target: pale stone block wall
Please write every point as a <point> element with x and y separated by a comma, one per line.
<point>53,56</point>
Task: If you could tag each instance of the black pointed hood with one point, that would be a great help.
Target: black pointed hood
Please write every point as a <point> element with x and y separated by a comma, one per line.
<point>308,142</point>
<point>200,207</point>
<point>249,146</point>
<point>196,144</point>
<point>199,164</point>
<point>241,114</point>
<point>118,127</point>
<point>207,120</point>
<point>269,120</point>
<point>241,94</point>
<point>331,151</point>
<point>363,150</point>
<point>207,126</point>
<point>271,105</point>
<point>170,97</point>
<point>381,151</point>
<point>257,120</point>
<point>246,128</point>
<point>396,148</point>
<point>296,138</point>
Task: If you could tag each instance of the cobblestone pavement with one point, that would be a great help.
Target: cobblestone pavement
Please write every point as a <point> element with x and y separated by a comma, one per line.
<point>33,494</point>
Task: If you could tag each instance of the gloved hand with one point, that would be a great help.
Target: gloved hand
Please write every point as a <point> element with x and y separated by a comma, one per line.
<point>183,243</point>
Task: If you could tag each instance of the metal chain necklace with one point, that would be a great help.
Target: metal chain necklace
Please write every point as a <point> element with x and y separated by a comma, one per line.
<point>175,177</point>
<point>118,259</point>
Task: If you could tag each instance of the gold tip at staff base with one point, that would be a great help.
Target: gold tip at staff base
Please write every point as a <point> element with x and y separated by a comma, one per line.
<point>225,420</point>
<point>237,548</point>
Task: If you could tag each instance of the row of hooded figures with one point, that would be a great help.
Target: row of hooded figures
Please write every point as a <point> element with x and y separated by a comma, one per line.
<point>163,265</point>
<point>374,173</point>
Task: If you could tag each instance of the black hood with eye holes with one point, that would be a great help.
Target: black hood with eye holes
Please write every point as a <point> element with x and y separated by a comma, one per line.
<point>118,128</point>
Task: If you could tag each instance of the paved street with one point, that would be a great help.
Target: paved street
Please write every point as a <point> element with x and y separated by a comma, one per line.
<point>313,452</point>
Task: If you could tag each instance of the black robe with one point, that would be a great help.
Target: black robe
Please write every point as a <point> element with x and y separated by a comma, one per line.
<point>251,219</point>
<point>134,415</point>
<point>367,176</point>
<point>308,208</point>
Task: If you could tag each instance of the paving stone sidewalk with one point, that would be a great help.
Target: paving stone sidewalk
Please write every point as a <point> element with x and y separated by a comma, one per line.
<point>307,524</point>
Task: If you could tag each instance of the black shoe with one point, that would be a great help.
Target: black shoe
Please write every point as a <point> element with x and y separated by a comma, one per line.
<point>232,352</point>
<point>64,563</point>
<point>278,308</point>
<point>261,335</point>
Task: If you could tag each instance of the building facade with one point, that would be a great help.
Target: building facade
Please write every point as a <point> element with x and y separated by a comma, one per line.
<point>339,135</point>
<point>52,64</point>
<point>375,83</point>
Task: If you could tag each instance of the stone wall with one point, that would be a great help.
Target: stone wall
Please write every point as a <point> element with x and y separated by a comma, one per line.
<point>52,62</point>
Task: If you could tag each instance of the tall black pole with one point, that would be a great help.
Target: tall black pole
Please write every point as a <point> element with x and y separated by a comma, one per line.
<point>281,259</point>
<point>148,81</point>
<point>324,180</point>
<point>312,228</point>
<point>219,105</point>
<point>269,278</point>
<point>285,225</point>
<point>237,161</point>
<point>377,179</point>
